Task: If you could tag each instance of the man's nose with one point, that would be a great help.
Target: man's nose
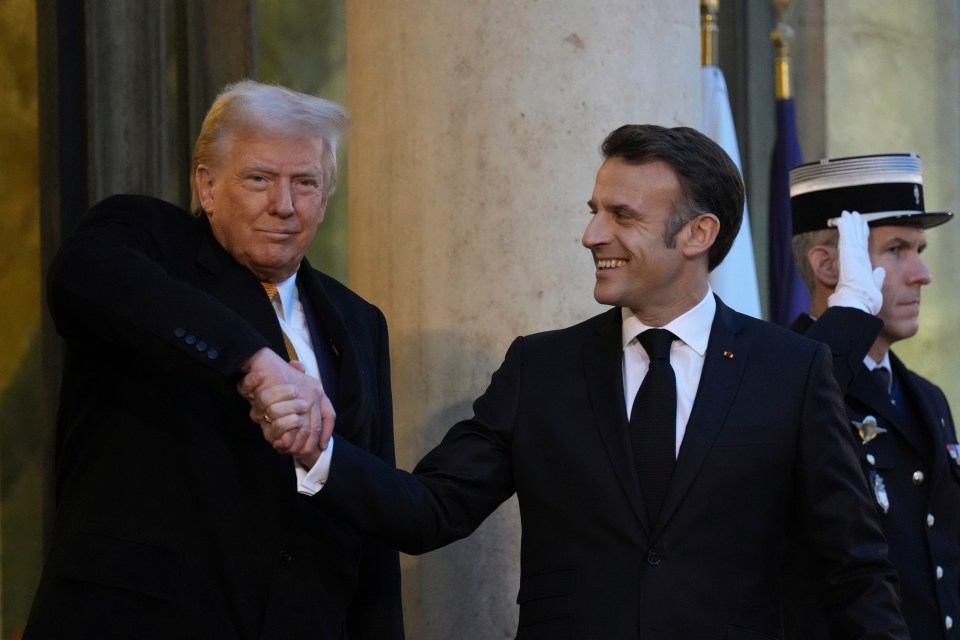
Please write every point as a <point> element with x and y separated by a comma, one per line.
<point>596,232</point>
<point>283,198</point>
<point>919,272</point>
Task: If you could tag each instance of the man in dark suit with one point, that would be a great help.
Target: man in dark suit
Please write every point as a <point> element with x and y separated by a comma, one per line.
<point>623,537</point>
<point>902,422</point>
<point>175,519</point>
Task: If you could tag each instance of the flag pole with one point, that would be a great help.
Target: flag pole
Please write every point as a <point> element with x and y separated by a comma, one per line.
<point>709,32</point>
<point>788,295</point>
<point>782,35</point>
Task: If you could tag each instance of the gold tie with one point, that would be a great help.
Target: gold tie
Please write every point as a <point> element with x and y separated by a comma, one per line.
<point>273,294</point>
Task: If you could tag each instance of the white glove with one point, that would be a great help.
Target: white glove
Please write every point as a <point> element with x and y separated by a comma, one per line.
<point>858,285</point>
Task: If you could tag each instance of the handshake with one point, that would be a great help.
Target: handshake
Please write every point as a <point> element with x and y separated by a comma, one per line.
<point>294,413</point>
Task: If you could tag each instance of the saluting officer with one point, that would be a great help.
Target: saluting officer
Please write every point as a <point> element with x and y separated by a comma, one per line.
<point>908,444</point>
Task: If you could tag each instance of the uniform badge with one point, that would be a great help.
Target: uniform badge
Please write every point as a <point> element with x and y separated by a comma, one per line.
<point>879,490</point>
<point>869,429</point>
<point>954,450</point>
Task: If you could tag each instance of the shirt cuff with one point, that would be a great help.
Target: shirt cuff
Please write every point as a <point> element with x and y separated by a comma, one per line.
<point>311,481</point>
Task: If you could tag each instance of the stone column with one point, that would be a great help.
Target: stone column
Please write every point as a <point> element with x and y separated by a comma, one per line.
<point>882,78</point>
<point>473,151</point>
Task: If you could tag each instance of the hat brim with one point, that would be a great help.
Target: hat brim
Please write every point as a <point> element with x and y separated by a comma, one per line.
<point>923,220</point>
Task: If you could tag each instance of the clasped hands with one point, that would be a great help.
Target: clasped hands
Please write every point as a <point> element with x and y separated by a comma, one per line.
<point>294,413</point>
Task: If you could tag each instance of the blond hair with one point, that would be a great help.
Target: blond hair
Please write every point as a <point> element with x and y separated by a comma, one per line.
<point>251,106</point>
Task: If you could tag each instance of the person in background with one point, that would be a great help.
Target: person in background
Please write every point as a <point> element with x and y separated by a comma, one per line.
<point>661,451</point>
<point>902,423</point>
<point>174,518</point>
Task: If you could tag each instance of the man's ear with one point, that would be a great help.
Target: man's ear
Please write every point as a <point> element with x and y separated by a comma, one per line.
<point>698,235</point>
<point>203,180</point>
<point>824,261</point>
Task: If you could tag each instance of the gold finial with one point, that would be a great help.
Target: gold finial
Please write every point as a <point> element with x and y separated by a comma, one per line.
<point>709,32</point>
<point>782,35</point>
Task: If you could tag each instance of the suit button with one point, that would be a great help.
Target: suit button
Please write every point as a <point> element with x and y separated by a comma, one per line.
<point>653,558</point>
<point>190,339</point>
<point>930,519</point>
<point>179,332</point>
<point>918,477</point>
<point>201,346</point>
<point>285,556</point>
<point>212,354</point>
<point>939,572</point>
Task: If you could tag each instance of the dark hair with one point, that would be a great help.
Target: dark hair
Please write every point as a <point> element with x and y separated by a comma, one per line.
<point>709,180</point>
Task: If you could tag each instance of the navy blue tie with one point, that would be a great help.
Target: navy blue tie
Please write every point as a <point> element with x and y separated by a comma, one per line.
<point>653,421</point>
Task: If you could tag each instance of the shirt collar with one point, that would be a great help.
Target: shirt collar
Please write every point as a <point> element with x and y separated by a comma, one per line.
<point>884,362</point>
<point>693,327</point>
<point>288,291</point>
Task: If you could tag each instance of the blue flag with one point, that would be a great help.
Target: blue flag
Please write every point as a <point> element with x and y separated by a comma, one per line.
<point>789,297</point>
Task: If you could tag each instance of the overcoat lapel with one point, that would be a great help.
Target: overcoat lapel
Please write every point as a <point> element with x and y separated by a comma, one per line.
<point>603,371</point>
<point>724,363</point>
<point>354,403</point>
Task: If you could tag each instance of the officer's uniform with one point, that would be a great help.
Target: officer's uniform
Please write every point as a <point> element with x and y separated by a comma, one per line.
<point>910,454</point>
<point>908,442</point>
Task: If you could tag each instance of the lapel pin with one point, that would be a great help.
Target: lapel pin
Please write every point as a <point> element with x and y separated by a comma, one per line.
<point>728,355</point>
<point>868,429</point>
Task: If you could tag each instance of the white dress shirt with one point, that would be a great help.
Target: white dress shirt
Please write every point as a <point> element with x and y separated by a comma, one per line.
<point>885,364</point>
<point>686,356</point>
<point>293,322</point>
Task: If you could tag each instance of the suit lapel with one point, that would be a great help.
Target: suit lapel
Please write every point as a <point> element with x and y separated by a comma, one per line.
<point>603,371</point>
<point>929,423</point>
<point>724,363</point>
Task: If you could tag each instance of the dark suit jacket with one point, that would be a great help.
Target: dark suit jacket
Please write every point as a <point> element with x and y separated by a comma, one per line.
<point>175,519</point>
<point>766,450</point>
<point>918,471</point>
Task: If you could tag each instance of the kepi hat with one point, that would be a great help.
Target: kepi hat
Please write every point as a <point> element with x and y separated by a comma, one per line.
<point>886,189</point>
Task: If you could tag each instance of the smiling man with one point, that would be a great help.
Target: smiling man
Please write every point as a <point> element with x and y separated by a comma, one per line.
<point>907,443</point>
<point>174,518</point>
<point>661,452</point>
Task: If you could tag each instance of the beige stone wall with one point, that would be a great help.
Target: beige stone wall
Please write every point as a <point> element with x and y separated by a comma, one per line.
<point>474,146</point>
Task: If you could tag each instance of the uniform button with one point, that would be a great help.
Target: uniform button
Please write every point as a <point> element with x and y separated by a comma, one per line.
<point>918,477</point>
<point>212,354</point>
<point>201,346</point>
<point>948,622</point>
<point>179,332</point>
<point>939,572</point>
<point>871,460</point>
<point>930,519</point>
<point>285,556</point>
<point>190,339</point>
<point>653,558</point>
